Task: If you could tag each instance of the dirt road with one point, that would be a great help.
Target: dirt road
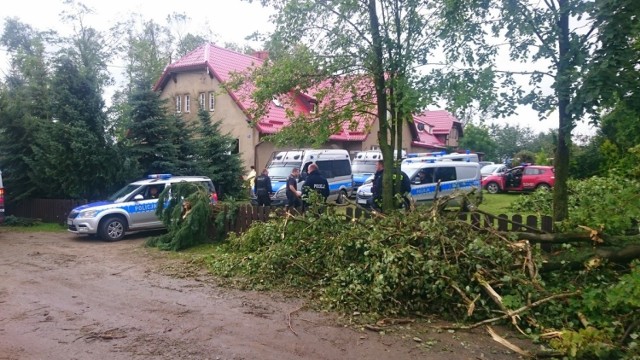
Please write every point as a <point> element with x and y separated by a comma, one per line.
<point>68,297</point>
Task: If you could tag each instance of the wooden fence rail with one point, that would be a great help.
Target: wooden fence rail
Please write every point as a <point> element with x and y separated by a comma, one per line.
<point>56,210</point>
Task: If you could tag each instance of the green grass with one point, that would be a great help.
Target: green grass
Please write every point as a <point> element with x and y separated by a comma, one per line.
<point>499,203</point>
<point>44,227</point>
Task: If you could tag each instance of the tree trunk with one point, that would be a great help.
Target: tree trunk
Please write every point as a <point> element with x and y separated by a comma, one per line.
<point>381,99</point>
<point>563,92</point>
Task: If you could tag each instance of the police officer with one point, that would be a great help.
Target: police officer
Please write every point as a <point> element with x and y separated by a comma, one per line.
<point>376,188</point>
<point>293,195</point>
<point>263,188</point>
<point>315,182</point>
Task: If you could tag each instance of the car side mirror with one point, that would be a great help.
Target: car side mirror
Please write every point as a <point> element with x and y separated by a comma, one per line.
<point>138,197</point>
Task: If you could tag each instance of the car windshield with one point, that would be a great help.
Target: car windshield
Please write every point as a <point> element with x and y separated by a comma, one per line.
<point>363,167</point>
<point>121,194</point>
<point>489,169</point>
<point>281,171</point>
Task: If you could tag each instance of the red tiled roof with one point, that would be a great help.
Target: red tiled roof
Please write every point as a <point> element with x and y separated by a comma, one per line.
<point>222,63</point>
<point>442,121</point>
<point>426,139</point>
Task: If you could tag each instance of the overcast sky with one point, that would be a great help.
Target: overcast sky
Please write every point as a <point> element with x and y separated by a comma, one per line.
<point>229,20</point>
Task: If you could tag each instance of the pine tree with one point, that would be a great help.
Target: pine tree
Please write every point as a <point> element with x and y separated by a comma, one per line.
<point>217,157</point>
<point>151,133</point>
<point>185,146</point>
<point>71,153</point>
<point>24,106</point>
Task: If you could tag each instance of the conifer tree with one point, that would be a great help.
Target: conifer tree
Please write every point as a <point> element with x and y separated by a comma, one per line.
<point>151,133</point>
<point>218,158</point>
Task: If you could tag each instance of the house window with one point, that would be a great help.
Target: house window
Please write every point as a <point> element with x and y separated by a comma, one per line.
<point>178,104</point>
<point>420,126</point>
<point>314,108</point>
<point>187,103</point>
<point>212,101</point>
<point>202,99</point>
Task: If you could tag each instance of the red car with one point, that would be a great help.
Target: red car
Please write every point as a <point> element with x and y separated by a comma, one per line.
<point>521,178</point>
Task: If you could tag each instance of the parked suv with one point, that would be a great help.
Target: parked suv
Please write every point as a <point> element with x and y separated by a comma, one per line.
<point>132,208</point>
<point>520,178</point>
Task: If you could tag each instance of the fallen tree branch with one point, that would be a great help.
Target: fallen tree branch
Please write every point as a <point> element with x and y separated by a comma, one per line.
<point>506,343</point>
<point>511,313</point>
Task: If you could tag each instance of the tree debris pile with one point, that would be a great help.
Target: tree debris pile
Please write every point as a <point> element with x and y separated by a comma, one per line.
<point>429,262</point>
<point>405,263</point>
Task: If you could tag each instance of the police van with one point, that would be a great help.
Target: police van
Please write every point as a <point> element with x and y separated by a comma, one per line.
<point>364,166</point>
<point>333,164</point>
<point>132,208</point>
<point>431,179</point>
<point>1,200</point>
<point>441,156</point>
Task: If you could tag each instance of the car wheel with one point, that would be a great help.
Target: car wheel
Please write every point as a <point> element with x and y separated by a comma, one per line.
<point>493,188</point>
<point>112,228</point>
<point>342,197</point>
<point>544,187</point>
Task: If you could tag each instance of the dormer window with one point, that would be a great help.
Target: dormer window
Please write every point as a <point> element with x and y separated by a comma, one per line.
<point>420,127</point>
<point>314,108</point>
<point>276,102</point>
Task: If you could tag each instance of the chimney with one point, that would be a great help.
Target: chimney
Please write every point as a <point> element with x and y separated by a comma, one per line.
<point>262,54</point>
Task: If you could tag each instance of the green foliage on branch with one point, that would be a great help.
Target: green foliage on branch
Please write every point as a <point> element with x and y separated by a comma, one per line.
<point>610,204</point>
<point>392,265</point>
<point>185,209</point>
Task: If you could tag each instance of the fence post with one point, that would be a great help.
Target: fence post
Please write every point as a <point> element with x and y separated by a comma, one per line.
<point>503,223</point>
<point>532,221</point>
<point>517,220</point>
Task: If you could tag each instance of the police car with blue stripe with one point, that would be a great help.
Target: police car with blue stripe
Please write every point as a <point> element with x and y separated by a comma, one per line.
<point>431,178</point>
<point>132,208</point>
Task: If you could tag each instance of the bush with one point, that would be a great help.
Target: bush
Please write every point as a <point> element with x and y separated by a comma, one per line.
<point>20,221</point>
<point>596,202</point>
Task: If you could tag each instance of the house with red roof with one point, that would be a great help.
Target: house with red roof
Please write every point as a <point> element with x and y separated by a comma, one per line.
<point>196,79</point>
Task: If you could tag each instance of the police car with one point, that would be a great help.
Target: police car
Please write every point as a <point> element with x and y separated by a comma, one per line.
<point>431,178</point>
<point>132,208</point>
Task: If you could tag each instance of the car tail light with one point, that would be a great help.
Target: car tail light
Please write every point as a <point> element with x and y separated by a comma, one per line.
<point>214,198</point>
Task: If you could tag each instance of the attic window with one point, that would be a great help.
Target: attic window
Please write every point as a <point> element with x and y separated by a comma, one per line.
<point>314,108</point>
<point>420,126</point>
<point>277,102</point>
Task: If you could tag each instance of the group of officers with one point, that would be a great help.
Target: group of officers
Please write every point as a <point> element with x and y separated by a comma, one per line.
<point>314,181</point>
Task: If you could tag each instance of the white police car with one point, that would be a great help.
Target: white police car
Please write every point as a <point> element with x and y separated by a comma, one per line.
<point>132,208</point>
<point>432,178</point>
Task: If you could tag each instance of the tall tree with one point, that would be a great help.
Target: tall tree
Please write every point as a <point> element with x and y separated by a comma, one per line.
<point>70,153</point>
<point>24,105</point>
<point>151,133</point>
<point>558,35</point>
<point>366,51</point>
<point>510,139</point>
<point>218,158</point>
<point>478,139</point>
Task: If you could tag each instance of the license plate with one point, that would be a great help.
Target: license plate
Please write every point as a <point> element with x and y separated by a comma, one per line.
<point>362,201</point>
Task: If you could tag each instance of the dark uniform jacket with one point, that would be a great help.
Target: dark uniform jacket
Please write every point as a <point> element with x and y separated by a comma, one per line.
<point>263,185</point>
<point>316,182</point>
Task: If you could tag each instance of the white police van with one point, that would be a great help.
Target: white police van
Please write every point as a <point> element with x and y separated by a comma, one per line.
<point>333,164</point>
<point>364,166</point>
<point>440,178</point>
<point>132,208</point>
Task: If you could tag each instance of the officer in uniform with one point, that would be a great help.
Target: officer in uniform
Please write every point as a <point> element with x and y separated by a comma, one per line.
<point>263,188</point>
<point>316,182</point>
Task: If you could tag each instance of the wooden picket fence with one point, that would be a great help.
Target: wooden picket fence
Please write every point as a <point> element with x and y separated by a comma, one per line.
<point>56,210</point>
<point>247,215</point>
